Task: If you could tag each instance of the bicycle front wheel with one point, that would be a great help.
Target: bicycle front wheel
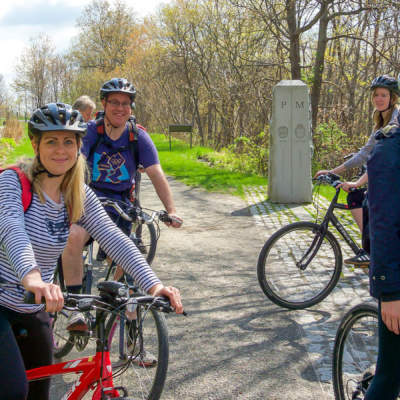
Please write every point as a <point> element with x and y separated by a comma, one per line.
<point>296,269</point>
<point>145,237</point>
<point>63,341</point>
<point>139,353</point>
<point>355,352</point>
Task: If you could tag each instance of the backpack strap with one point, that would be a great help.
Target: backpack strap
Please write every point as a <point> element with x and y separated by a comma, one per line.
<point>26,186</point>
<point>133,141</point>
<point>100,137</point>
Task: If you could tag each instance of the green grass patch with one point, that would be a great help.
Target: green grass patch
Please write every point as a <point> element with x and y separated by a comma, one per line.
<point>184,163</point>
<point>328,192</point>
<point>22,149</point>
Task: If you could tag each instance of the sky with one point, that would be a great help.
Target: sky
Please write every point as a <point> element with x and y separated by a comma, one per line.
<point>21,19</point>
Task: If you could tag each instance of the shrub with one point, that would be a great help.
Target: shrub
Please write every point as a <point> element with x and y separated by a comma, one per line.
<point>13,129</point>
<point>6,146</point>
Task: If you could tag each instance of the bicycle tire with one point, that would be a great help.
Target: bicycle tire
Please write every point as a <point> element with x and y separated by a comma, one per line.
<point>281,279</point>
<point>140,381</point>
<point>149,238</point>
<point>63,341</point>
<point>355,351</point>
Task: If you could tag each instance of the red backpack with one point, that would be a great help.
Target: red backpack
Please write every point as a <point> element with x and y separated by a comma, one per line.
<point>25,185</point>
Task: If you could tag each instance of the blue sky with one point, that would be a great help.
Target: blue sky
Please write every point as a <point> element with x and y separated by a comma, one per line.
<point>20,20</point>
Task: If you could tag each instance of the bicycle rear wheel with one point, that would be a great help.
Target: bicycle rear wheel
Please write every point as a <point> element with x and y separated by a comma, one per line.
<point>140,357</point>
<point>144,235</point>
<point>355,352</point>
<point>279,273</point>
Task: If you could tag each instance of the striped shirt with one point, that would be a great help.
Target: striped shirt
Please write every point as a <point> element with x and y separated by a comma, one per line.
<point>36,238</point>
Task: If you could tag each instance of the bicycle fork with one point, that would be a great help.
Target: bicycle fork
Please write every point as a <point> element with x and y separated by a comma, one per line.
<point>303,263</point>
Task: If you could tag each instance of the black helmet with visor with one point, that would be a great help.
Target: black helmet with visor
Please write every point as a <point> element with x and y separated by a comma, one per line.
<point>118,85</point>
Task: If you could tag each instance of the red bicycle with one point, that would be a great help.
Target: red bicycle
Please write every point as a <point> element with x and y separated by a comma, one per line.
<point>99,373</point>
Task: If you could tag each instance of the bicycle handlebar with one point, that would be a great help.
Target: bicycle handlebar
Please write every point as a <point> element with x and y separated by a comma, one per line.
<point>332,180</point>
<point>162,215</point>
<point>117,299</point>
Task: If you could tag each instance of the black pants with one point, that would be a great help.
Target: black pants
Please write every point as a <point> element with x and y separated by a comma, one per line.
<point>359,199</point>
<point>26,342</point>
<point>386,382</point>
<point>365,233</point>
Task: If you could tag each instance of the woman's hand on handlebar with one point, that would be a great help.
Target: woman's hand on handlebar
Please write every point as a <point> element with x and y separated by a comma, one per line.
<point>321,172</point>
<point>347,186</point>
<point>33,282</point>
<point>172,293</point>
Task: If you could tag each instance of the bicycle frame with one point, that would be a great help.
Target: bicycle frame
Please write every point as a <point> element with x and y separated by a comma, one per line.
<point>93,369</point>
<point>331,217</point>
<point>318,239</point>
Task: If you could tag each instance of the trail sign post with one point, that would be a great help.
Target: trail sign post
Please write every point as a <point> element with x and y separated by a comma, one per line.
<point>180,128</point>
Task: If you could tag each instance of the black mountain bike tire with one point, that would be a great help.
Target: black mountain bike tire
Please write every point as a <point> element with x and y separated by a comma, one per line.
<point>63,341</point>
<point>134,377</point>
<point>362,316</point>
<point>266,265</point>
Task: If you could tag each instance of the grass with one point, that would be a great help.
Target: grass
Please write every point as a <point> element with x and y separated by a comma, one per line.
<point>183,163</point>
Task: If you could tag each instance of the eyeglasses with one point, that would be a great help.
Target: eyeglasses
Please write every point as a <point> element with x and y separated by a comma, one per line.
<point>116,103</point>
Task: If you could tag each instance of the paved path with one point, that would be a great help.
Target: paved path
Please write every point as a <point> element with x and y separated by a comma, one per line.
<point>236,344</point>
<point>319,323</point>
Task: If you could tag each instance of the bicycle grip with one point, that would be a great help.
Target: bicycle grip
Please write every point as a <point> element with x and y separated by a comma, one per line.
<point>29,298</point>
<point>165,217</point>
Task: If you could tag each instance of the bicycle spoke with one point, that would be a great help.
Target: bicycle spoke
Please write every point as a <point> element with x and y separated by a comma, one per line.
<point>355,352</point>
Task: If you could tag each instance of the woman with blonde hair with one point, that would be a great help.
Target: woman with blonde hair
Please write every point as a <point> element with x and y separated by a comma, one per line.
<point>31,242</point>
<point>385,93</point>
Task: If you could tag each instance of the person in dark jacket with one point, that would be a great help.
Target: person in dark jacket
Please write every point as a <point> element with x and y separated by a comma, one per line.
<point>384,201</point>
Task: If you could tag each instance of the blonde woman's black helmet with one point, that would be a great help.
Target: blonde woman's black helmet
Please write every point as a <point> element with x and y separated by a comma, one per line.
<point>56,117</point>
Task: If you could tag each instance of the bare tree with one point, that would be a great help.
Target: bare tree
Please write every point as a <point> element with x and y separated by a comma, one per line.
<point>32,69</point>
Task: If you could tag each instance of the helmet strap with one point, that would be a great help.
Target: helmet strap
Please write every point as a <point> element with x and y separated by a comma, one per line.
<point>390,103</point>
<point>44,170</point>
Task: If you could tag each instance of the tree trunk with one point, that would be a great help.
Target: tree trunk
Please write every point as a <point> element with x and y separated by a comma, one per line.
<point>294,39</point>
<point>319,65</point>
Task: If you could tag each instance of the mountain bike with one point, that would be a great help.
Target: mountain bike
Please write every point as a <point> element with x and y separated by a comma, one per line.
<point>355,352</point>
<point>64,341</point>
<point>104,375</point>
<point>300,264</point>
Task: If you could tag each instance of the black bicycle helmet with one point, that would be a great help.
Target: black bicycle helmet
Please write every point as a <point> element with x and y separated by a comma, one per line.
<point>118,85</point>
<point>56,117</point>
<point>387,82</point>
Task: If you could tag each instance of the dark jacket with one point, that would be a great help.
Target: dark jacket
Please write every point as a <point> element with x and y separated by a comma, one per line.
<point>384,206</point>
